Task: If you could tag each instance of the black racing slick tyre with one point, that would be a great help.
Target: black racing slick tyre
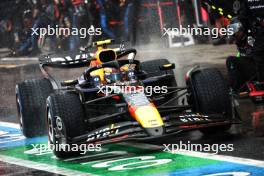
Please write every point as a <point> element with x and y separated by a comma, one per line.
<point>65,115</point>
<point>211,96</point>
<point>31,98</point>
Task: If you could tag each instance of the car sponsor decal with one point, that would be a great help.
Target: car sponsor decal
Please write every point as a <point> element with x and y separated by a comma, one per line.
<point>122,159</point>
<point>193,118</point>
<point>103,132</point>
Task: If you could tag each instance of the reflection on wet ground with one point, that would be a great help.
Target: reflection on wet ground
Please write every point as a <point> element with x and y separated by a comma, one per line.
<point>11,169</point>
<point>258,120</point>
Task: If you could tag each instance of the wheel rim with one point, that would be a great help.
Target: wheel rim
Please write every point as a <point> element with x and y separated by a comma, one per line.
<point>19,112</point>
<point>50,126</point>
<point>59,123</point>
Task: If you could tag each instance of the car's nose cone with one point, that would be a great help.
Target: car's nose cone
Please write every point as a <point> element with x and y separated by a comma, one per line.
<point>155,131</point>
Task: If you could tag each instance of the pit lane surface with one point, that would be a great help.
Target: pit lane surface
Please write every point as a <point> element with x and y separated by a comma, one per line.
<point>122,159</point>
<point>246,138</point>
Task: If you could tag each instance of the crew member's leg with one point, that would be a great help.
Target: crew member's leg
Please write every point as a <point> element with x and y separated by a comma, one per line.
<point>233,72</point>
<point>259,59</point>
<point>34,38</point>
<point>74,39</point>
<point>258,53</point>
<point>127,21</point>
<point>247,69</point>
<point>104,22</point>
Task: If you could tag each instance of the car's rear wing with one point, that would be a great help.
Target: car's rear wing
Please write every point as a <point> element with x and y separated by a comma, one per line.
<point>63,60</point>
<point>69,60</point>
<point>73,60</point>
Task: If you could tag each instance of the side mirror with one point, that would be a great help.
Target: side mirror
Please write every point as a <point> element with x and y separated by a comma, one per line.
<point>167,67</point>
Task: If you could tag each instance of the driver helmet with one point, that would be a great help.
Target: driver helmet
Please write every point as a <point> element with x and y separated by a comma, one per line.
<point>112,75</point>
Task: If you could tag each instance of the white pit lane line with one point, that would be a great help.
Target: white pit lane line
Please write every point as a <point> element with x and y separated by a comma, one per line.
<point>239,160</point>
<point>35,165</point>
<point>10,125</point>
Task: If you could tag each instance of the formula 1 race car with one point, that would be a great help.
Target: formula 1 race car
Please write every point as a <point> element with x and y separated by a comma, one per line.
<point>119,98</point>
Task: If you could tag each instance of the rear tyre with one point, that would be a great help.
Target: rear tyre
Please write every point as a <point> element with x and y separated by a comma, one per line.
<point>65,116</point>
<point>31,98</point>
<point>210,91</point>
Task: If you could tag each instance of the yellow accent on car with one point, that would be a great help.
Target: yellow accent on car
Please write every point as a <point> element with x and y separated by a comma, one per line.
<point>68,81</point>
<point>99,72</point>
<point>148,117</point>
<point>167,65</point>
<point>103,42</point>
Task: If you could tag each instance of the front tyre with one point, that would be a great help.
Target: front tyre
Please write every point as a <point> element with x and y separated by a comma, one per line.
<point>65,116</point>
<point>210,92</point>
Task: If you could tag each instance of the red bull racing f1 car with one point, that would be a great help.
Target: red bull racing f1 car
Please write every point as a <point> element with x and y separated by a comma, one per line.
<point>119,98</point>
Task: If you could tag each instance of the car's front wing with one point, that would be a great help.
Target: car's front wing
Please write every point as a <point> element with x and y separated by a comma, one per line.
<point>131,130</point>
